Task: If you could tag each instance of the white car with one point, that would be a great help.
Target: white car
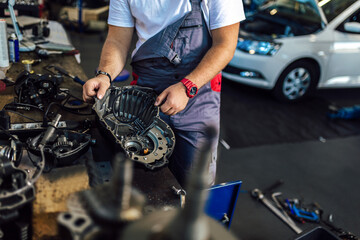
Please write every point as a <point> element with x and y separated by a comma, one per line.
<point>295,46</point>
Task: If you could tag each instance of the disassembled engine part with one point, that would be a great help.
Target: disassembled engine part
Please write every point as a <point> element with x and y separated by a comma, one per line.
<point>36,89</point>
<point>33,126</point>
<point>109,207</point>
<point>12,179</point>
<point>15,196</point>
<point>76,226</point>
<point>17,180</point>
<point>130,115</point>
<point>63,148</point>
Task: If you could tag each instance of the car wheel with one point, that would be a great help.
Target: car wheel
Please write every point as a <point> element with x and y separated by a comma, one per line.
<point>296,82</point>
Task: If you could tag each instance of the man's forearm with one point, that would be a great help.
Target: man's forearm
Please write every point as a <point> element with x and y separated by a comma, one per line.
<point>115,50</point>
<point>218,56</point>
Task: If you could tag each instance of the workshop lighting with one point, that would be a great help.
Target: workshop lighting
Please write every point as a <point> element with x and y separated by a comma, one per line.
<point>258,47</point>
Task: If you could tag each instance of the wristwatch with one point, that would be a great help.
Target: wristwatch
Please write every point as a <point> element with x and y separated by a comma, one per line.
<point>191,88</point>
<point>98,72</point>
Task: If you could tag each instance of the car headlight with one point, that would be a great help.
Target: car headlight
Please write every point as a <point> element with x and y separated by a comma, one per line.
<point>258,47</point>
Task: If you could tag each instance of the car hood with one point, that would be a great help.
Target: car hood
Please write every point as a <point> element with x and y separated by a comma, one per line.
<point>283,18</point>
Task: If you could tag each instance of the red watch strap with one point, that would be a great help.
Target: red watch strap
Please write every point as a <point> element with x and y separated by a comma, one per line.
<point>189,84</point>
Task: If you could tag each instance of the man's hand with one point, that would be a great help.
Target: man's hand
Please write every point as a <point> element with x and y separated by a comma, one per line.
<point>95,87</point>
<point>174,98</point>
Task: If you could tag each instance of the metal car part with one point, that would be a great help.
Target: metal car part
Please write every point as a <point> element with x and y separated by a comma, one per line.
<point>63,148</point>
<point>130,115</point>
<point>17,191</point>
<point>16,184</point>
<point>76,226</point>
<point>11,180</point>
<point>15,196</point>
<point>104,210</point>
<point>33,126</point>
<point>36,89</point>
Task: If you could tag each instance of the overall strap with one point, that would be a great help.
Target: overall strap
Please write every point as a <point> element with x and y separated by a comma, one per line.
<point>160,44</point>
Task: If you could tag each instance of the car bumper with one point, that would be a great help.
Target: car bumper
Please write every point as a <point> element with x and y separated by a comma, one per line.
<point>254,70</point>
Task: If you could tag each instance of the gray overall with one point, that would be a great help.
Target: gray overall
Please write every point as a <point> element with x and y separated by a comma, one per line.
<point>165,59</point>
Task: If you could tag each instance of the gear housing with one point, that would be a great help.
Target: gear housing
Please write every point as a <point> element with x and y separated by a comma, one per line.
<point>130,115</point>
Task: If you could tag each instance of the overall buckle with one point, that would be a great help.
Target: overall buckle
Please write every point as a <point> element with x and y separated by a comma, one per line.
<point>175,60</point>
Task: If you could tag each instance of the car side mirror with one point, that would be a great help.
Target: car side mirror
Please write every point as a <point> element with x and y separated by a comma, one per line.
<point>352,27</point>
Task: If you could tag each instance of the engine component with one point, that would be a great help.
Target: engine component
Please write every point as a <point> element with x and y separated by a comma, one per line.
<point>130,115</point>
<point>17,179</point>
<point>63,148</point>
<point>11,180</point>
<point>36,89</point>
<point>107,207</point>
<point>77,226</point>
<point>16,195</point>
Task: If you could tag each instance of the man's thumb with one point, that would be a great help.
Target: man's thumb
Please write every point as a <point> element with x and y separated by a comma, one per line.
<point>159,99</point>
<point>101,92</point>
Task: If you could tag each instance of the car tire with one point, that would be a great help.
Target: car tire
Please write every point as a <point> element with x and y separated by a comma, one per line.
<point>296,82</point>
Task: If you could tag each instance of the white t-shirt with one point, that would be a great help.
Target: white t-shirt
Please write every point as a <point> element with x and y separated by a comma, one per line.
<point>151,16</point>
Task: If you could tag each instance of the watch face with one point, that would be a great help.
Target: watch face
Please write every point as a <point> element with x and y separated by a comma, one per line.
<point>193,91</point>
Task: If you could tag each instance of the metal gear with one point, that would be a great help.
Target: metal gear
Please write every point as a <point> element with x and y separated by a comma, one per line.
<point>61,147</point>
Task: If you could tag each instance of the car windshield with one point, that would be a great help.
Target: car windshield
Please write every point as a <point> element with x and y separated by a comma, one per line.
<point>284,18</point>
<point>333,8</point>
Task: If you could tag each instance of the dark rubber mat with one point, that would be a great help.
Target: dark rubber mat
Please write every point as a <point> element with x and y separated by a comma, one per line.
<point>325,173</point>
<point>252,117</point>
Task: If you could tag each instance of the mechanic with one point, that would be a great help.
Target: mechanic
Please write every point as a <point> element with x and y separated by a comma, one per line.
<point>182,47</point>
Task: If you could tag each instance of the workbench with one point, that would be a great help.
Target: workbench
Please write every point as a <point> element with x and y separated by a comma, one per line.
<point>54,188</point>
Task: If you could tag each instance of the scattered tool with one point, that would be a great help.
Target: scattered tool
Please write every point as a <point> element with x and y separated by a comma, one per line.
<point>257,193</point>
<point>278,204</point>
<point>301,213</point>
<point>64,72</point>
<point>351,112</point>
<point>44,53</point>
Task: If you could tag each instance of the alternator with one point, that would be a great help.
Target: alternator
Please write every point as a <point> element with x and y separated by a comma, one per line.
<point>130,115</point>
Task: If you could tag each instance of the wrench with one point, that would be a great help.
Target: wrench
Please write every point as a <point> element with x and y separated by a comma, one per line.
<point>277,203</point>
<point>260,196</point>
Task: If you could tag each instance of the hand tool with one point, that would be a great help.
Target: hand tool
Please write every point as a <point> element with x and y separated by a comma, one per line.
<point>64,72</point>
<point>277,203</point>
<point>260,196</point>
<point>300,213</point>
<point>46,53</point>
